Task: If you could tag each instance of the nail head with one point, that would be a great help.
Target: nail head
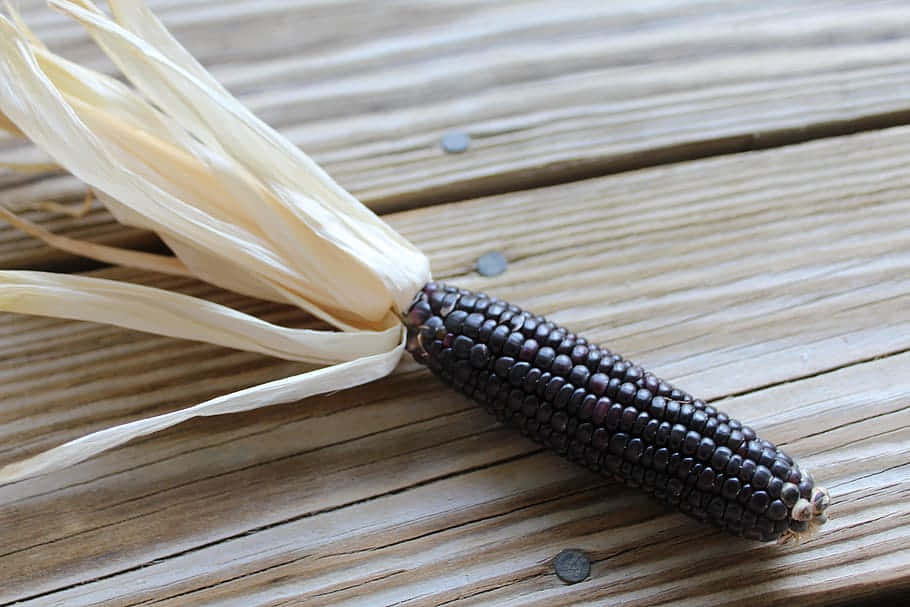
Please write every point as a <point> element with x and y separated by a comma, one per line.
<point>491,264</point>
<point>572,566</point>
<point>455,142</point>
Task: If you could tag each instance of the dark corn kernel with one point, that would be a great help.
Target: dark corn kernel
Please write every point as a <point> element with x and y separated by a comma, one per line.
<point>736,440</point>
<point>658,407</point>
<point>592,360</point>
<point>789,493</point>
<point>626,394</point>
<point>774,487</point>
<point>618,370</point>
<point>579,353</point>
<point>777,510</point>
<point>498,338</point>
<point>805,485</point>
<point>553,387</point>
<point>512,345</point>
<point>566,346</point>
<point>780,469</point>
<point>472,324</point>
<point>584,433</point>
<point>542,383</point>
<point>767,458</point>
<point>730,488</point>
<point>691,442</point>
<point>587,407</point>
<point>561,366</point>
<point>706,479</point>
<point>597,384</point>
<point>579,375</point>
<point>575,400</point>
<point>649,432</point>
<point>605,365</point>
<point>517,373</point>
<point>642,399</point>
<point>455,320</point>
<point>634,450</point>
<point>601,407</point>
<point>647,457</point>
<point>607,413</point>
<point>699,418</point>
<point>529,384</point>
<point>600,439</point>
<point>629,415</point>
<point>618,443</point>
<point>613,387</point>
<point>722,434</point>
<point>544,357</point>
<point>503,365</point>
<point>706,449</point>
<point>614,415</point>
<point>710,426</point>
<point>716,508</point>
<point>486,330</point>
<point>677,436</point>
<point>746,470</point>
<point>759,501</point>
<point>561,399</point>
<point>734,465</point>
<point>479,356</point>
<point>634,373</point>
<point>559,421</point>
<point>720,458</point>
<point>672,412</point>
<point>761,477</point>
<point>528,351</point>
<point>544,413</point>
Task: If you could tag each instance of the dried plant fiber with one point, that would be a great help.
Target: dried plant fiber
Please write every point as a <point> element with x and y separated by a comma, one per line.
<point>241,208</point>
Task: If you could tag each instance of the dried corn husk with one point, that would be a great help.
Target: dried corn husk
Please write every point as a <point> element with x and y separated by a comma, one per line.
<point>240,206</point>
<point>7,126</point>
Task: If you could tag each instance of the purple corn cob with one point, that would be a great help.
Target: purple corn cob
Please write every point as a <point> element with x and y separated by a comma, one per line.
<point>607,413</point>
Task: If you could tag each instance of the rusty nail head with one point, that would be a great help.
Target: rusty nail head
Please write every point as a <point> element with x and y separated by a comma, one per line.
<point>572,566</point>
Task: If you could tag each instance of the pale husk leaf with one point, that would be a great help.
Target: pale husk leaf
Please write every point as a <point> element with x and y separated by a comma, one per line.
<point>240,206</point>
<point>302,194</point>
<point>176,315</point>
<point>290,389</point>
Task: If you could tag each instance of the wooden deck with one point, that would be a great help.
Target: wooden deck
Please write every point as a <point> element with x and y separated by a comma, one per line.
<point>720,191</point>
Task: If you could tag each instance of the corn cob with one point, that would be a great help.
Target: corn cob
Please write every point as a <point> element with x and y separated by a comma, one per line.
<point>607,413</point>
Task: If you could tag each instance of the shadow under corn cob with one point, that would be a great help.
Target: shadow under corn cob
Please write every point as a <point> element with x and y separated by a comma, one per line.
<point>604,412</point>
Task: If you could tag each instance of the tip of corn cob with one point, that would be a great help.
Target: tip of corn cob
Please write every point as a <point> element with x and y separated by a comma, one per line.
<point>807,516</point>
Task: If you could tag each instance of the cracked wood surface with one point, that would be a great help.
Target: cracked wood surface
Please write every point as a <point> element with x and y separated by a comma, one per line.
<point>550,91</point>
<point>774,283</point>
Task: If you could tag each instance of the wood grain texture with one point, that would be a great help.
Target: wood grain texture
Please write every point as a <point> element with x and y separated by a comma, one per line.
<point>775,283</point>
<point>549,91</point>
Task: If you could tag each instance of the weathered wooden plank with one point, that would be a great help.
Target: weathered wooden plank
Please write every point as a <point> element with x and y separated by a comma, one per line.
<point>549,91</point>
<point>485,537</point>
<point>771,276</point>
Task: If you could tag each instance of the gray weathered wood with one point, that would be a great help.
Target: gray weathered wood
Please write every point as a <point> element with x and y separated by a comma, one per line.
<point>773,282</point>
